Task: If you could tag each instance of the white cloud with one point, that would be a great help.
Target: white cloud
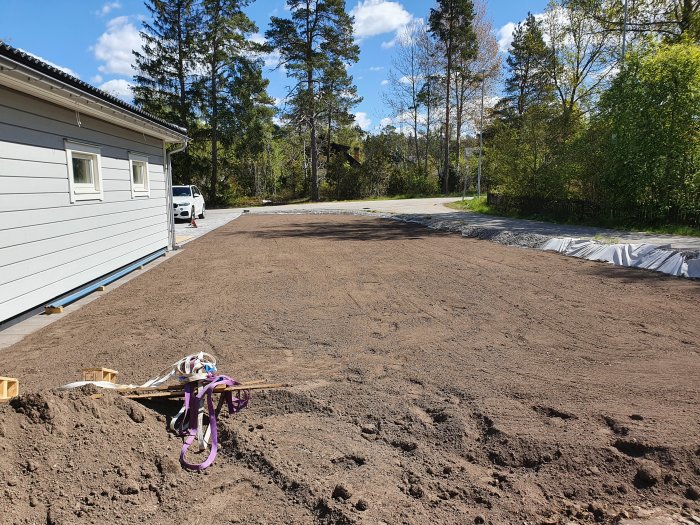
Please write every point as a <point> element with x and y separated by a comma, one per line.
<point>363,120</point>
<point>377,68</point>
<point>258,38</point>
<point>505,37</point>
<point>60,68</point>
<point>375,17</point>
<point>116,45</point>
<point>389,44</point>
<point>107,8</point>
<point>386,121</point>
<point>119,88</point>
<point>384,82</point>
<point>272,60</point>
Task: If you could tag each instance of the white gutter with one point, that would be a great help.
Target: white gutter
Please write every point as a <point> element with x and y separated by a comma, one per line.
<point>169,188</point>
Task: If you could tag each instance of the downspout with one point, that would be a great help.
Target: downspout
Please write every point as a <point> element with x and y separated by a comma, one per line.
<point>169,188</point>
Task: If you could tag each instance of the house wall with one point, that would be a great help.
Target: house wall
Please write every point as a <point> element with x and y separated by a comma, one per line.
<point>49,245</point>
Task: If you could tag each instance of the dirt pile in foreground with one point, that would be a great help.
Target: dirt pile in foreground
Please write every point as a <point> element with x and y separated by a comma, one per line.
<point>436,380</point>
<point>68,459</point>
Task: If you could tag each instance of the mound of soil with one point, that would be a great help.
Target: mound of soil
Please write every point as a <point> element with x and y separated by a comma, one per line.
<point>68,458</point>
<point>436,379</point>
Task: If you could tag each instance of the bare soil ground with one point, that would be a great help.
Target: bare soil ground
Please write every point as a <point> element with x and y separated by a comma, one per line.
<point>436,380</point>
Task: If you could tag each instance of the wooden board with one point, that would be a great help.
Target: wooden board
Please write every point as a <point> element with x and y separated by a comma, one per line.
<point>180,393</point>
<point>9,388</point>
<point>100,374</point>
<point>48,310</point>
<point>174,387</point>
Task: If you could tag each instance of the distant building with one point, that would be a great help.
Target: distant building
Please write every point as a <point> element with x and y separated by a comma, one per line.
<point>85,186</point>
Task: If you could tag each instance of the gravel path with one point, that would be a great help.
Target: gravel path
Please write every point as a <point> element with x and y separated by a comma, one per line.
<point>434,210</point>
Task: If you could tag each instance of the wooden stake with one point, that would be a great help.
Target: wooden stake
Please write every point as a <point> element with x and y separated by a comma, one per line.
<point>9,388</point>
<point>48,310</point>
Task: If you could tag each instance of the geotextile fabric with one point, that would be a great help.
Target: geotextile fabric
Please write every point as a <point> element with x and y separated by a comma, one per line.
<point>646,256</point>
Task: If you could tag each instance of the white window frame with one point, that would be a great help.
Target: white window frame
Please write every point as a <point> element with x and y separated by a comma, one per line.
<point>84,192</point>
<point>139,190</point>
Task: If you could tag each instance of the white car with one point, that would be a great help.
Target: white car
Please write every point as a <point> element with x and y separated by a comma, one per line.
<point>188,202</point>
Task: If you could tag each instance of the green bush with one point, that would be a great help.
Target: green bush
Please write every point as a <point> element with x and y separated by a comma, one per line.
<point>650,119</point>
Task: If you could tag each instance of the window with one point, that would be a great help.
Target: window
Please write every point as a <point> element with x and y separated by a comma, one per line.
<point>181,191</point>
<point>84,171</point>
<point>139,175</point>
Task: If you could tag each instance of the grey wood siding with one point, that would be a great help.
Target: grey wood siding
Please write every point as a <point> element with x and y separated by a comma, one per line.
<point>49,245</point>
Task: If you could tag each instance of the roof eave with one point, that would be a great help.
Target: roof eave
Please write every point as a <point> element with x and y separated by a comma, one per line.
<point>31,81</point>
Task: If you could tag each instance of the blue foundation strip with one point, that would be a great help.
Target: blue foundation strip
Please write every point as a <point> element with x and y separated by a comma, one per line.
<point>107,280</point>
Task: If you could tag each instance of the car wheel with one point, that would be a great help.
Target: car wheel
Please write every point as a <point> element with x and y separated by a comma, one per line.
<point>201,215</point>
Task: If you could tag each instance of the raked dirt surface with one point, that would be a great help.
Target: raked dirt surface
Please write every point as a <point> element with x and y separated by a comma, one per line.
<point>436,379</point>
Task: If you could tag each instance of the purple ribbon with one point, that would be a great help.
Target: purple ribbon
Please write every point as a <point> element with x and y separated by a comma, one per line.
<point>192,404</point>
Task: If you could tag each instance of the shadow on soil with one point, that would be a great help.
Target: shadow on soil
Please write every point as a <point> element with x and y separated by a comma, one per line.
<point>371,230</point>
<point>625,275</point>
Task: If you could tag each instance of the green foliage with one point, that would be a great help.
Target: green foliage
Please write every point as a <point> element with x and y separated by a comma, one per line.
<point>534,156</point>
<point>343,181</point>
<point>574,125</point>
<point>387,172</point>
<point>452,24</point>
<point>165,83</point>
<point>636,161</point>
<point>669,20</point>
<point>197,70</point>
<point>475,204</point>
<point>412,181</point>
<point>530,64</point>
<point>650,119</point>
<point>314,45</point>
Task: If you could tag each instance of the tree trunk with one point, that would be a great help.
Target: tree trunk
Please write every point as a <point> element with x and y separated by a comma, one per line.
<point>427,131</point>
<point>459,95</point>
<point>181,70</point>
<point>446,161</point>
<point>414,97</point>
<point>328,152</point>
<point>183,99</point>
<point>213,100</point>
<point>312,139</point>
<point>315,195</point>
<point>415,136</point>
<point>214,173</point>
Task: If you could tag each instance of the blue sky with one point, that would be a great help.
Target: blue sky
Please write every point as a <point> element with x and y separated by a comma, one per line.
<point>93,39</point>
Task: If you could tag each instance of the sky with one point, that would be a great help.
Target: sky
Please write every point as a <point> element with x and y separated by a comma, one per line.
<point>93,39</point>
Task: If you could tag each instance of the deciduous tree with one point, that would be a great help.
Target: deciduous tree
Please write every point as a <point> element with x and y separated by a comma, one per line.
<point>451,22</point>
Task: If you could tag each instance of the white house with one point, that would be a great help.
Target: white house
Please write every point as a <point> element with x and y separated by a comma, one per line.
<point>85,187</point>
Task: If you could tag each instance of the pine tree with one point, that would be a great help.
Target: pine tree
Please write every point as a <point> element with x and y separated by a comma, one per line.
<point>452,24</point>
<point>249,125</point>
<point>223,45</point>
<point>529,62</point>
<point>165,81</point>
<point>318,35</point>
